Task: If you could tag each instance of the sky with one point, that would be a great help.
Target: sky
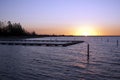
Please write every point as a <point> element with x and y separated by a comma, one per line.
<point>68,17</point>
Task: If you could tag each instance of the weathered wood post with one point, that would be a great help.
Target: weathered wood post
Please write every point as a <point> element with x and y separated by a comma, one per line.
<point>117,43</point>
<point>88,51</point>
<point>88,55</point>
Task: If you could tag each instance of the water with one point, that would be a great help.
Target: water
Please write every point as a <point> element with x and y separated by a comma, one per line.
<point>62,63</point>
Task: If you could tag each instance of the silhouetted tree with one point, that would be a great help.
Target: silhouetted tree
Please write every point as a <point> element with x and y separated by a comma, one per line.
<point>14,29</point>
<point>33,33</point>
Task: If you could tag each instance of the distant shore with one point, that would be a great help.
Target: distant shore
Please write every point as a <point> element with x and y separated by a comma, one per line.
<point>41,36</point>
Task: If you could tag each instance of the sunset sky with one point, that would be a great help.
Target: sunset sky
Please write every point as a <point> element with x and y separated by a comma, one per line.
<point>69,17</point>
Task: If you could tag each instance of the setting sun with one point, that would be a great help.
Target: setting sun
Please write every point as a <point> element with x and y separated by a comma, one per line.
<point>86,31</point>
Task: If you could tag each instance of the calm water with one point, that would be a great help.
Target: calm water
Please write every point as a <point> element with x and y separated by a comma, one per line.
<point>62,63</point>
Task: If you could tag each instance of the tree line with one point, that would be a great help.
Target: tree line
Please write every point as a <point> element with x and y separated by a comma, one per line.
<point>13,29</point>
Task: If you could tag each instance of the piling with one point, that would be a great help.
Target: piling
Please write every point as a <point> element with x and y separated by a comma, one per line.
<point>88,55</point>
<point>117,43</point>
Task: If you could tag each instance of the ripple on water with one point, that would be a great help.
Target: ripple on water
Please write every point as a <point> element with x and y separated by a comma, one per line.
<point>57,63</point>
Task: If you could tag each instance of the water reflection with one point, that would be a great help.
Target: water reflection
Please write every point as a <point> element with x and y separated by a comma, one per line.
<point>68,63</point>
<point>11,61</point>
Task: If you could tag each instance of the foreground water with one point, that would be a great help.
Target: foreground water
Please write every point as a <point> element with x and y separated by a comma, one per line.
<point>62,63</point>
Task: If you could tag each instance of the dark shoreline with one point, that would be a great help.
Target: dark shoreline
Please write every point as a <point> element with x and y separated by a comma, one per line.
<point>41,36</point>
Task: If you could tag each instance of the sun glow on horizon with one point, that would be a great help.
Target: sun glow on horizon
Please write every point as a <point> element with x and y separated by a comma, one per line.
<point>86,31</point>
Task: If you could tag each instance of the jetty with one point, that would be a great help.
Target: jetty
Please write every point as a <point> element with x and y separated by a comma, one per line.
<point>54,43</point>
<point>63,43</point>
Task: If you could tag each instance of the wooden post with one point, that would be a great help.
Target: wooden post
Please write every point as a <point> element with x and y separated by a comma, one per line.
<point>88,51</point>
<point>117,43</point>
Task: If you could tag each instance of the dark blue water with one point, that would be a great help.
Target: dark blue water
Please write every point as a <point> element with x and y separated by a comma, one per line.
<point>62,63</point>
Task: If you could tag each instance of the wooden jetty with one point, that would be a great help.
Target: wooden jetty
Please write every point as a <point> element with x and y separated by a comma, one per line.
<point>56,43</point>
<point>63,43</point>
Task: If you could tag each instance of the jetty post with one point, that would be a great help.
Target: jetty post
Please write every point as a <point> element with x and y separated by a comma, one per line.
<point>88,55</point>
<point>88,50</point>
<point>117,43</point>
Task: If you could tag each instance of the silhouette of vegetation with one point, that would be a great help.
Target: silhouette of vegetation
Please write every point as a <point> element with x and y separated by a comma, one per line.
<point>14,29</point>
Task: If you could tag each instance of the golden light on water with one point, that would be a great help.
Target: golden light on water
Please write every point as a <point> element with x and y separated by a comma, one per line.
<point>86,31</point>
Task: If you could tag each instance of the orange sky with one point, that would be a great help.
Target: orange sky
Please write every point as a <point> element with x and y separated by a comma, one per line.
<point>68,17</point>
<point>76,30</point>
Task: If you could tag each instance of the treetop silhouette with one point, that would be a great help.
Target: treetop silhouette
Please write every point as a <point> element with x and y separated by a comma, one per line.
<point>13,29</point>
